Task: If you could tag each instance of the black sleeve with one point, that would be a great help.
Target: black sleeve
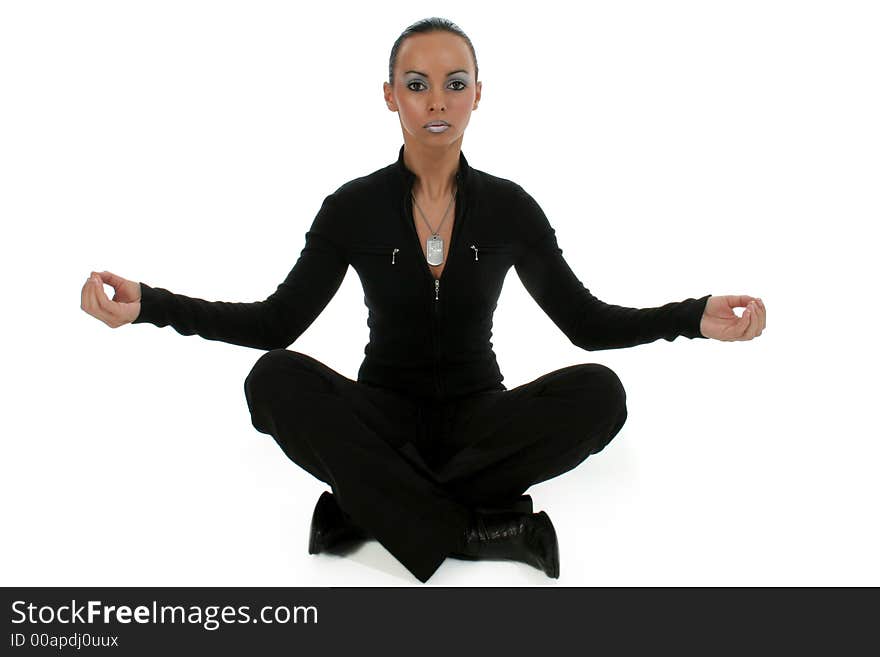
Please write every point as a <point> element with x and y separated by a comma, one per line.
<point>589,323</point>
<point>273,323</point>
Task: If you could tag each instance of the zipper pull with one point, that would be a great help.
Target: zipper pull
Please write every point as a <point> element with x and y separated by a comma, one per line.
<point>393,253</point>
<point>436,289</point>
<point>476,256</point>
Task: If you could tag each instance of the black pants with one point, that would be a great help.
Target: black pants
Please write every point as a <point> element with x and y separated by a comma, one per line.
<point>408,471</point>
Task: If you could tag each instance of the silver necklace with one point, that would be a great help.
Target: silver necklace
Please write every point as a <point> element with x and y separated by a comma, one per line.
<point>434,244</point>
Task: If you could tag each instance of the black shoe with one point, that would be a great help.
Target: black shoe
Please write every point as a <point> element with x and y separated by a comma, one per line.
<point>332,529</point>
<point>526,537</point>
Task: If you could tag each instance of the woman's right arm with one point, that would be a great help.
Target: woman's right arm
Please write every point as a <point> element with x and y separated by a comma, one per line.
<point>273,323</point>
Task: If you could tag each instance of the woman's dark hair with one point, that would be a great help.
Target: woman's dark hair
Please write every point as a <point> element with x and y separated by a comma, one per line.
<point>433,24</point>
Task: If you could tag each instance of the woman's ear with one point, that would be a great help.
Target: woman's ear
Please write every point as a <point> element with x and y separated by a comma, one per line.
<point>389,97</point>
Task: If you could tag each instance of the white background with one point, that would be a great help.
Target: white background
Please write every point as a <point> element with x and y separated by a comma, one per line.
<point>678,148</point>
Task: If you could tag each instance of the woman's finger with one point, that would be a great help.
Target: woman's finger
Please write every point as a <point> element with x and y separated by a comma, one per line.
<point>754,322</point>
<point>98,287</point>
<point>110,307</point>
<point>738,300</point>
<point>763,316</point>
<point>111,279</point>
<point>89,303</point>
<point>85,297</point>
<point>740,327</point>
<point>102,303</point>
<point>746,321</point>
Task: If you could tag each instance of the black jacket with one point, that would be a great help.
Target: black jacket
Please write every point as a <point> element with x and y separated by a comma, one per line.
<point>428,338</point>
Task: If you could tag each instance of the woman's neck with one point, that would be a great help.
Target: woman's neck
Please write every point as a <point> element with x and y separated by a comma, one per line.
<point>435,169</point>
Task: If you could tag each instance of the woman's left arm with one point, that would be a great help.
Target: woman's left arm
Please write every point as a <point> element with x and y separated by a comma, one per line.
<point>592,324</point>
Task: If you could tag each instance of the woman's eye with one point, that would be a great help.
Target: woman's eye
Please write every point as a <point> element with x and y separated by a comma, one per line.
<point>410,87</point>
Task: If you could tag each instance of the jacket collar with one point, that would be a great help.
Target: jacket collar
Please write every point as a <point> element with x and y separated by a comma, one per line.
<point>461,175</point>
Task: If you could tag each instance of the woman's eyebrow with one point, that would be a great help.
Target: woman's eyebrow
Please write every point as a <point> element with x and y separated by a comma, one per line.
<point>425,75</point>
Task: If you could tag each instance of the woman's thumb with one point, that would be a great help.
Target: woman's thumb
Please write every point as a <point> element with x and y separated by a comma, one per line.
<point>110,278</point>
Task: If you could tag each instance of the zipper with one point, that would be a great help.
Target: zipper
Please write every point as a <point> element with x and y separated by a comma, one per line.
<point>495,248</point>
<point>377,250</point>
<point>436,283</point>
<point>436,336</point>
<point>435,329</point>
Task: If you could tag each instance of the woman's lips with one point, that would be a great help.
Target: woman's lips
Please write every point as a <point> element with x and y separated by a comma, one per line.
<point>437,128</point>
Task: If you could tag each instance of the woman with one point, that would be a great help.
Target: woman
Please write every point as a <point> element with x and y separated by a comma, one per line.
<point>427,451</point>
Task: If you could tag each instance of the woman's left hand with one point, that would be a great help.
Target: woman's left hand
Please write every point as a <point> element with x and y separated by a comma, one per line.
<point>720,322</point>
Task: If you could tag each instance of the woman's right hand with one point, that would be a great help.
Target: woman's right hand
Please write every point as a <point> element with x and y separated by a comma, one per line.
<point>122,309</point>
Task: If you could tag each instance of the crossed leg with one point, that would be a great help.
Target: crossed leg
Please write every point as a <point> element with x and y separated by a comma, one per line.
<point>410,485</point>
<point>353,437</point>
<point>498,444</point>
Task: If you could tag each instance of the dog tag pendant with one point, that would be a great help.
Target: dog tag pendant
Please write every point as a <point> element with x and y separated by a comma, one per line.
<point>434,250</point>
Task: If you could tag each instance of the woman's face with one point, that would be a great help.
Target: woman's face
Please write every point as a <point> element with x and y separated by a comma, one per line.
<point>433,81</point>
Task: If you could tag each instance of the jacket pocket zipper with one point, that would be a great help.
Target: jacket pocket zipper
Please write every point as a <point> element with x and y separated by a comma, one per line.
<point>490,248</point>
<point>390,251</point>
